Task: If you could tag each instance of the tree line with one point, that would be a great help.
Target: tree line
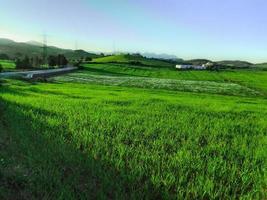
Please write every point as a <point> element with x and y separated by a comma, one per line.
<point>36,62</point>
<point>4,56</point>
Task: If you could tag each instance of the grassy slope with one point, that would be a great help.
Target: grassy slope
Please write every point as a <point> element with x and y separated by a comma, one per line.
<point>7,64</point>
<point>76,140</point>
<point>123,58</point>
<point>262,66</point>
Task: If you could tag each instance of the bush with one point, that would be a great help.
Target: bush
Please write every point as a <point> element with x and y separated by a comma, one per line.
<point>4,56</point>
<point>52,61</point>
<point>24,63</point>
<point>88,59</point>
<point>78,63</point>
<point>135,63</point>
<point>61,60</point>
<point>1,68</point>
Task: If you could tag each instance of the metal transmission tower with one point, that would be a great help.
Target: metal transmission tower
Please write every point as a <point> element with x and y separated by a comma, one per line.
<point>44,49</point>
<point>114,47</point>
<point>76,45</point>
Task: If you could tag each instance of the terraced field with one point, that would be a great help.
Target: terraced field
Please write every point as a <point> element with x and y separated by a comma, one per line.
<point>118,131</point>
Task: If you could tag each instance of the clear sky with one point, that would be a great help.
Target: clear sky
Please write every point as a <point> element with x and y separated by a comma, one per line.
<point>214,29</point>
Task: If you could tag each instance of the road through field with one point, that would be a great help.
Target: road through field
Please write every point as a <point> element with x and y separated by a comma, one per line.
<point>38,73</point>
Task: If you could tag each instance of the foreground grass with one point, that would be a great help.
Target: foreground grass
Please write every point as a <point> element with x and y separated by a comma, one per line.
<point>85,141</point>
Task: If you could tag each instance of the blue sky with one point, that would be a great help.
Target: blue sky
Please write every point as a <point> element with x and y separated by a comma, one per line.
<point>228,29</point>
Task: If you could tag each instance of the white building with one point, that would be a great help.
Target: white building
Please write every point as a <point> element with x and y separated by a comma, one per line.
<point>203,67</point>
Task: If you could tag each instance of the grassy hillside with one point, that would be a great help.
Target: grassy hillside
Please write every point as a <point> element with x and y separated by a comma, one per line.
<point>16,49</point>
<point>261,66</point>
<point>134,59</point>
<point>77,54</point>
<point>138,59</point>
<point>120,131</point>
<point>235,64</point>
<point>7,64</point>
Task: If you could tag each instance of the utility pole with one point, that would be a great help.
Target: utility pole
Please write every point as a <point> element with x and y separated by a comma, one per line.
<point>76,45</point>
<point>44,49</point>
<point>114,47</point>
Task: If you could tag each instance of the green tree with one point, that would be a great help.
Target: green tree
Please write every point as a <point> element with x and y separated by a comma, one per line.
<point>27,62</point>
<point>1,68</point>
<point>52,61</point>
<point>18,55</point>
<point>24,63</point>
<point>35,61</point>
<point>88,59</point>
<point>4,56</point>
<point>61,60</point>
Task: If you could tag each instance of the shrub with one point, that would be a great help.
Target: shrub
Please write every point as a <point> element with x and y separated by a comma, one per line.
<point>135,63</point>
<point>61,60</point>
<point>78,63</point>
<point>88,59</point>
<point>23,64</point>
<point>4,56</point>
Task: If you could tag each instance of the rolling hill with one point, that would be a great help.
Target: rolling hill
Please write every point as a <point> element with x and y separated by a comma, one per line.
<point>235,64</point>
<point>137,59</point>
<point>134,59</point>
<point>261,66</point>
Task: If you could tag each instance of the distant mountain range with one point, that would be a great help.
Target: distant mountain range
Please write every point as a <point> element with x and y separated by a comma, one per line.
<point>32,48</point>
<point>32,42</point>
<point>161,56</point>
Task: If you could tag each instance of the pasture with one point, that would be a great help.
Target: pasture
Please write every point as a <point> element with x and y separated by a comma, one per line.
<point>118,131</point>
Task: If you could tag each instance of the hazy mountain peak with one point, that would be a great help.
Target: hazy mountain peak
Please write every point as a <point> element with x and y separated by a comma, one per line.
<point>160,56</point>
<point>35,43</point>
<point>6,41</point>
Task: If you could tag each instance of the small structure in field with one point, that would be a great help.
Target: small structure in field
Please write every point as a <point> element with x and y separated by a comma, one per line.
<point>196,67</point>
<point>209,65</point>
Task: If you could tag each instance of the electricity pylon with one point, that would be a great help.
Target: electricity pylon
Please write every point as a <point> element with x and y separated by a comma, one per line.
<point>44,49</point>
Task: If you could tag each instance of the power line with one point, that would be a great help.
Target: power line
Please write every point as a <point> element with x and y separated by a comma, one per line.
<point>44,48</point>
<point>76,45</point>
<point>114,47</point>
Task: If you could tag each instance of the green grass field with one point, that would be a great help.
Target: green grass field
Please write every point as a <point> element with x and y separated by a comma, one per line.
<point>7,64</point>
<point>251,79</point>
<point>124,58</point>
<point>118,131</point>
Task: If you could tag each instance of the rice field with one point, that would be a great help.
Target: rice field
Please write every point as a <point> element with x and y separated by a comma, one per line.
<point>160,83</point>
<point>102,133</point>
<point>254,79</point>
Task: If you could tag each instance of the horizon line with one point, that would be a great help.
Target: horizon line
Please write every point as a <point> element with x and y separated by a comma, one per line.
<point>130,52</point>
